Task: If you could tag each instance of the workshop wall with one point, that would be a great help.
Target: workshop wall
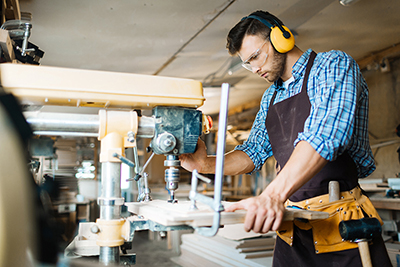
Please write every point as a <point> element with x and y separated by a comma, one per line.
<point>384,116</point>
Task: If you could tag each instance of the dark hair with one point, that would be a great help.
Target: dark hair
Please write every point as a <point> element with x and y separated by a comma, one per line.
<point>247,26</point>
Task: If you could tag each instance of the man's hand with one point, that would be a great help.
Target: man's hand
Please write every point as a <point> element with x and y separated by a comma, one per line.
<point>264,213</point>
<point>197,160</point>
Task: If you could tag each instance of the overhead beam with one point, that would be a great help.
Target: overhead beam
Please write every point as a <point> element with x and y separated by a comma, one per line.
<point>377,57</point>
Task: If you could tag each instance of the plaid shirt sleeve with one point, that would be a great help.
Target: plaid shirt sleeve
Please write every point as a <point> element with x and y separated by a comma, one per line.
<point>338,118</point>
<point>257,146</point>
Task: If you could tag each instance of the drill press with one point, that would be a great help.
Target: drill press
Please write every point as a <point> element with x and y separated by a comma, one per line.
<point>176,132</point>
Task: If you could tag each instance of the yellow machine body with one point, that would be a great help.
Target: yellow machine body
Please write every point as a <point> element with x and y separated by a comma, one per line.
<point>43,85</point>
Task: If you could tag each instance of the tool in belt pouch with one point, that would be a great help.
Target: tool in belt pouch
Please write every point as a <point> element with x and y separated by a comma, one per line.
<point>351,205</point>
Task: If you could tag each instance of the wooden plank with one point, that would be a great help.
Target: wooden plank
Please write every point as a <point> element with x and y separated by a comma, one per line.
<point>198,258</point>
<point>16,9</point>
<point>246,243</point>
<point>236,233</point>
<point>386,203</point>
<point>206,253</point>
<point>189,259</point>
<point>3,13</point>
<point>207,245</point>
<point>255,249</point>
<point>169,214</point>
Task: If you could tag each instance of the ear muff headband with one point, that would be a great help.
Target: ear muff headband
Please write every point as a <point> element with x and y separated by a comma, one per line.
<point>281,37</point>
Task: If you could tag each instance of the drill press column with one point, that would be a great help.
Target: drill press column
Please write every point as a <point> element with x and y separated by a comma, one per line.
<point>110,204</point>
<point>113,131</point>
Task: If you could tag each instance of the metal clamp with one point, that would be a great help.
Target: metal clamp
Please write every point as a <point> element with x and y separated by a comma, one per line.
<point>214,203</point>
<point>193,191</point>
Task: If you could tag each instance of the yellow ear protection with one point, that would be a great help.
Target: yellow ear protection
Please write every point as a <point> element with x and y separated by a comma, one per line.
<point>281,37</point>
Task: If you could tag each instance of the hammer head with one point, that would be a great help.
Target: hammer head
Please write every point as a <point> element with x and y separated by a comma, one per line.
<point>365,228</point>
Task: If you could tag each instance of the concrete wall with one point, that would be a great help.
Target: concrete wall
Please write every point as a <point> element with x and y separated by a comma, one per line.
<point>384,91</point>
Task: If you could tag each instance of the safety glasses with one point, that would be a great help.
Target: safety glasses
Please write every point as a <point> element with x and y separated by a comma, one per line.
<point>256,59</point>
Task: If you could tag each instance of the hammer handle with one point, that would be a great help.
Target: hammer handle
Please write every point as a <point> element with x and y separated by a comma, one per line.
<point>334,191</point>
<point>364,254</point>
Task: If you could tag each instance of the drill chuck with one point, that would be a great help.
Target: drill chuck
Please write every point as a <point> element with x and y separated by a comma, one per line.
<point>172,178</point>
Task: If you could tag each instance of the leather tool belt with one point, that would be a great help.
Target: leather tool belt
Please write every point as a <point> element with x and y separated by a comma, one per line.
<point>352,205</point>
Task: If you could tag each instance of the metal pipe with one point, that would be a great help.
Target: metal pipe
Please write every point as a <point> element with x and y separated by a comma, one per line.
<point>222,125</point>
<point>146,127</point>
<point>109,255</point>
<point>110,191</point>
<point>110,204</point>
<point>67,124</point>
<point>63,122</point>
<point>219,168</point>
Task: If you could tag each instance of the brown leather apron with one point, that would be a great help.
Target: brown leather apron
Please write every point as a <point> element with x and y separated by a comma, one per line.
<point>284,121</point>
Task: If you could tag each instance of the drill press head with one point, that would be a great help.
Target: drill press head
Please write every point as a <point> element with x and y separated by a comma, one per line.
<point>176,132</point>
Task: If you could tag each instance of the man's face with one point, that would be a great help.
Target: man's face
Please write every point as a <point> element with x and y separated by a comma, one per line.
<point>260,57</point>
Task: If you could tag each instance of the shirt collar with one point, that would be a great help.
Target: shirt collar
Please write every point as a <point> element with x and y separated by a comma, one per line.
<point>300,65</point>
<point>297,70</point>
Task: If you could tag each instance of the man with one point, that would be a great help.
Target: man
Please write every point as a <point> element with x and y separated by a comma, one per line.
<point>313,120</point>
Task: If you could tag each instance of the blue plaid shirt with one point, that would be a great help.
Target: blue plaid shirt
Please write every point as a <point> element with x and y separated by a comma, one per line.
<point>338,119</point>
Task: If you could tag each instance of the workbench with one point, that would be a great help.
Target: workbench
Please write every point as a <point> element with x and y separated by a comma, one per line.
<point>388,207</point>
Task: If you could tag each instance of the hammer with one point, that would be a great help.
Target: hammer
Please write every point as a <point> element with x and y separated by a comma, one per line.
<point>361,231</point>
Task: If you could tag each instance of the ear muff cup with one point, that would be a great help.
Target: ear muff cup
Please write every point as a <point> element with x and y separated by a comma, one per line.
<point>281,44</point>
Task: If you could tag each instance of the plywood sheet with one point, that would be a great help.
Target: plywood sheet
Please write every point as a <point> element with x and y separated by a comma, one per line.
<point>247,243</point>
<point>236,232</point>
<point>169,214</point>
<point>211,249</point>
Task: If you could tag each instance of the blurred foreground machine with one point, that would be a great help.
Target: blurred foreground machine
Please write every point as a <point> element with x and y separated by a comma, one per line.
<point>174,128</point>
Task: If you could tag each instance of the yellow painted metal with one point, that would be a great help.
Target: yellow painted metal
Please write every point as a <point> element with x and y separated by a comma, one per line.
<point>113,133</point>
<point>117,121</point>
<point>111,232</point>
<point>110,144</point>
<point>44,85</point>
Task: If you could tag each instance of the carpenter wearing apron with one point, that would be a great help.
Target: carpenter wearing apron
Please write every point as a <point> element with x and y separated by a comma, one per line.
<point>318,242</point>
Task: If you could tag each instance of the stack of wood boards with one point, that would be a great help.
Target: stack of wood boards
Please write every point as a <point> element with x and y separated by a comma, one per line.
<point>232,246</point>
<point>393,249</point>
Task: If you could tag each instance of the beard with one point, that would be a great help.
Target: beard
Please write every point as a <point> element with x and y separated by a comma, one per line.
<point>278,66</point>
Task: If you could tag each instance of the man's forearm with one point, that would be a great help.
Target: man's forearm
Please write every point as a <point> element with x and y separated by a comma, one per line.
<point>302,165</point>
<point>235,162</point>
